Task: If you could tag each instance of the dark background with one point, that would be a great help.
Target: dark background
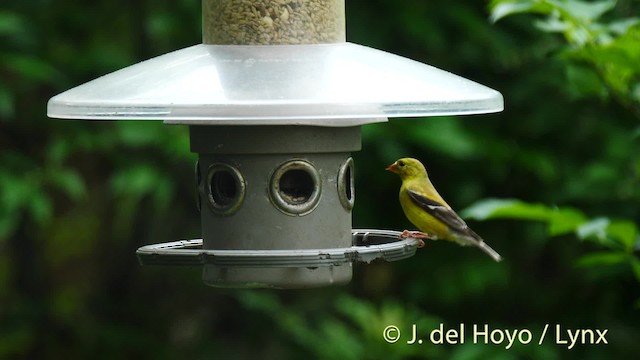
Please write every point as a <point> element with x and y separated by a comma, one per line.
<point>78,198</point>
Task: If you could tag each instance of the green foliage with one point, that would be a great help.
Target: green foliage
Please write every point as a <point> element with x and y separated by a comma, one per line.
<point>603,58</point>
<point>603,54</point>
<point>620,238</point>
<point>569,15</point>
<point>559,220</point>
<point>353,327</point>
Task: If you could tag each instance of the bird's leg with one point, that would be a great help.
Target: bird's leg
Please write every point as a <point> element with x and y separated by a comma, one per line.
<point>417,235</point>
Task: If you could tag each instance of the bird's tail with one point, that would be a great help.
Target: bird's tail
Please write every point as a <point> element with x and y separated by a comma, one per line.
<point>487,249</point>
<point>472,238</point>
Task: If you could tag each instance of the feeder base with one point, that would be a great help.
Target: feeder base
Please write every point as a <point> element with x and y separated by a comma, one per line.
<point>277,278</point>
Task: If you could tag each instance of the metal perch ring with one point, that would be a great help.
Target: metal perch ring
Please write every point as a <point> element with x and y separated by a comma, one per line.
<point>367,245</point>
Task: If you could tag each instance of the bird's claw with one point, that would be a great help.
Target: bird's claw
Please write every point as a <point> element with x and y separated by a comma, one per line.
<point>418,235</point>
<point>414,235</point>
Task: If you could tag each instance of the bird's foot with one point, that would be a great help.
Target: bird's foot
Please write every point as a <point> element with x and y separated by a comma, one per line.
<point>415,235</point>
<point>418,235</point>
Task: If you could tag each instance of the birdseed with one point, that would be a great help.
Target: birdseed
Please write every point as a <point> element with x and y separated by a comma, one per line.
<point>273,22</point>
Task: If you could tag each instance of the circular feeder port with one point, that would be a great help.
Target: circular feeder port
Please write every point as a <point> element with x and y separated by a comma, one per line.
<point>346,187</point>
<point>295,188</point>
<point>225,188</point>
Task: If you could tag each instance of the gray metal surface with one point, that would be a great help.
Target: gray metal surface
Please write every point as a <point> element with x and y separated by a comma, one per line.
<point>367,245</point>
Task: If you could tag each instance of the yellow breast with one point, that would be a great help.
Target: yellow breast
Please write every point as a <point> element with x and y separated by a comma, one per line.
<point>420,218</point>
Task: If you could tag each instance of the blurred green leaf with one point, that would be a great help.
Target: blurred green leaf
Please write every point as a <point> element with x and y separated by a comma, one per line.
<point>23,195</point>
<point>623,26</point>
<point>359,311</point>
<point>608,48</point>
<point>575,10</point>
<point>70,182</point>
<point>40,208</point>
<point>354,330</point>
<point>585,10</point>
<point>140,133</point>
<point>141,180</point>
<point>10,23</point>
<point>29,68</point>
<point>595,228</point>
<point>560,220</point>
<point>625,231</point>
<point>501,8</point>
<point>584,82</point>
<point>564,220</point>
<point>506,208</point>
<point>610,232</point>
<point>602,258</point>
<point>344,344</point>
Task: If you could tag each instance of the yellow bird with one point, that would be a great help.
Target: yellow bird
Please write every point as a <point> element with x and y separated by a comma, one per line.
<point>427,210</point>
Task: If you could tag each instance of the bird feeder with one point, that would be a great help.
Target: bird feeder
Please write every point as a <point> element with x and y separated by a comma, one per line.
<point>274,99</point>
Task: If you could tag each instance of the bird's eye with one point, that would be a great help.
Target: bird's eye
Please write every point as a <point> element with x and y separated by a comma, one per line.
<point>401,163</point>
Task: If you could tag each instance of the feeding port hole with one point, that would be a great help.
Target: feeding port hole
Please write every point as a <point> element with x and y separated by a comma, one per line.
<point>346,186</point>
<point>295,187</point>
<point>225,188</point>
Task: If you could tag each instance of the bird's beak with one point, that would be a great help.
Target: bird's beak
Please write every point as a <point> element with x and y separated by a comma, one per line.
<point>392,168</point>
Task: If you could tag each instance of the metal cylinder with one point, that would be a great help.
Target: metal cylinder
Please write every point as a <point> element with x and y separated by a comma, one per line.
<point>275,188</point>
<point>272,22</point>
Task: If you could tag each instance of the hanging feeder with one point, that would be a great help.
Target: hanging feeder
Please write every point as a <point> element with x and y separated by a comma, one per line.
<point>274,99</point>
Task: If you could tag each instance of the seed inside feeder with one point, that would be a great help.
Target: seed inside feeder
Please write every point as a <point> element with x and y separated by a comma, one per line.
<point>273,22</point>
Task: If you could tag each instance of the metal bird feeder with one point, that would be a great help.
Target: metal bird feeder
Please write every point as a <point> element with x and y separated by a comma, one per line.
<point>274,99</point>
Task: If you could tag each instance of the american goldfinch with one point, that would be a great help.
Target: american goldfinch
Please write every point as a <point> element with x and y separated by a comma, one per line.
<point>426,209</point>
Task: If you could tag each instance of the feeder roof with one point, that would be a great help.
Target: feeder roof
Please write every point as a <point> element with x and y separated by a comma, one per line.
<point>340,84</point>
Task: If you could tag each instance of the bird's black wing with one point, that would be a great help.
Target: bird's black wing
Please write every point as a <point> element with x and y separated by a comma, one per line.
<point>440,212</point>
<point>454,222</point>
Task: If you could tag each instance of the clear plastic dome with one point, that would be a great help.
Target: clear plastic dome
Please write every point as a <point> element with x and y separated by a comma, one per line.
<point>330,84</point>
